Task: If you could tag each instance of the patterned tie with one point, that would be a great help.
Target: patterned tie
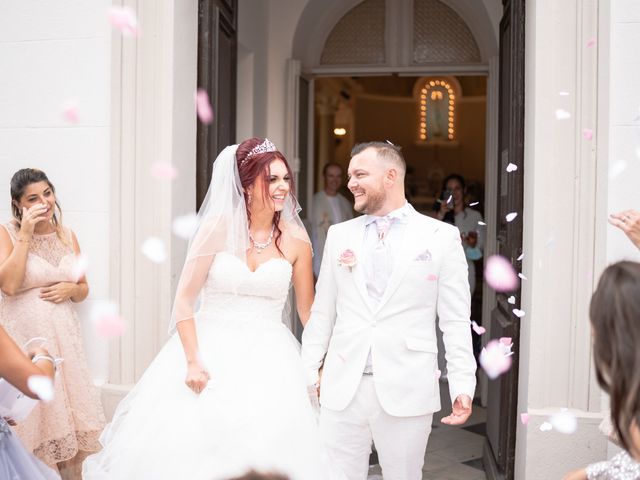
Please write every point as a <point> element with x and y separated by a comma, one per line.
<point>383,224</point>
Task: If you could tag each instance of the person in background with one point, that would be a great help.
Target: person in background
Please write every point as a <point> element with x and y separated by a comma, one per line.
<point>328,208</point>
<point>615,323</point>
<point>40,283</point>
<point>450,208</point>
<point>16,463</point>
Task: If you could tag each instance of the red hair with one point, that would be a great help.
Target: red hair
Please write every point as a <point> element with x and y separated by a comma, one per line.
<point>250,167</point>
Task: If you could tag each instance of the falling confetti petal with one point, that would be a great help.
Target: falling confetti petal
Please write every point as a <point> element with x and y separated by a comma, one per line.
<point>153,248</point>
<point>522,276</point>
<point>432,278</point>
<point>500,274</point>
<point>591,42</point>
<point>562,114</point>
<point>80,266</point>
<point>587,133</point>
<point>564,422</point>
<point>106,319</point>
<point>511,300</point>
<point>551,242</point>
<point>70,113</point>
<point>511,216</point>
<point>203,106</point>
<point>617,169</point>
<point>545,427</point>
<point>185,225</point>
<point>438,374</point>
<point>474,204</point>
<point>518,313</point>
<point>164,171</point>
<point>508,343</point>
<point>477,328</point>
<point>124,19</point>
<point>519,259</point>
<point>493,360</point>
<point>481,223</point>
<point>524,418</point>
<point>41,386</point>
<point>512,167</point>
<point>563,93</point>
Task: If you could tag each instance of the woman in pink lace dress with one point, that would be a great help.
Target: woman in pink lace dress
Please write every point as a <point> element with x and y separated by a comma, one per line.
<point>39,283</point>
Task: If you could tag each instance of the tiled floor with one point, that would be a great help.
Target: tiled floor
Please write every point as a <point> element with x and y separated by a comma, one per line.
<point>453,453</point>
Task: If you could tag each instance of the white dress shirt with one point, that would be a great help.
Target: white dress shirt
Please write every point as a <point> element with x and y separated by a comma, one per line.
<point>378,266</point>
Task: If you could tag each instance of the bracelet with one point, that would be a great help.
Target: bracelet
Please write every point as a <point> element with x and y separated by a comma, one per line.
<point>48,358</point>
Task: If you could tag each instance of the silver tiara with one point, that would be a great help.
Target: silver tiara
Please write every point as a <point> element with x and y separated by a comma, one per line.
<point>266,146</point>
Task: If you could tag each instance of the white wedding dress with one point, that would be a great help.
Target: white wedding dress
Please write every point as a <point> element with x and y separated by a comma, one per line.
<point>255,412</point>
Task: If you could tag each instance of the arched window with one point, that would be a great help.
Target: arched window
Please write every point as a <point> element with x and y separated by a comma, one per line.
<point>437,107</point>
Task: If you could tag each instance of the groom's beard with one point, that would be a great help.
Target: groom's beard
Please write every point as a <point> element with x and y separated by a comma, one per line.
<point>375,201</point>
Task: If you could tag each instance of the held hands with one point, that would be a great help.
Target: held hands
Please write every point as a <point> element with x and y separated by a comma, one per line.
<point>197,377</point>
<point>59,292</point>
<point>30,217</point>
<point>461,411</point>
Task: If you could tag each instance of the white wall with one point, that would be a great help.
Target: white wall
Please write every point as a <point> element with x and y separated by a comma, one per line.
<point>52,53</point>
<point>624,123</point>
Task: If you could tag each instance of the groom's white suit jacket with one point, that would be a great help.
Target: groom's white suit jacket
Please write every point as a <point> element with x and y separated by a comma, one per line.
<point>429,278</point>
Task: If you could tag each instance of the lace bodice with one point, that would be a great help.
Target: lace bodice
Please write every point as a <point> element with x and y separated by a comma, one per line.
<point>50,259</point>
<point>233,289</point>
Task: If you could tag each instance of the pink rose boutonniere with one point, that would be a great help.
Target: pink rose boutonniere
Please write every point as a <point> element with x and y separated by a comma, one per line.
<point>347,259</point>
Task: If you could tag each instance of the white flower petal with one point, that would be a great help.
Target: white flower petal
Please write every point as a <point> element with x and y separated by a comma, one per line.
<point>41,386</point>
<point>153,248</point>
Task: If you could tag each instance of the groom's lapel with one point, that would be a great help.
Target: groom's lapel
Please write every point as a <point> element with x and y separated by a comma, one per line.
<point>357,234</point>
<point>404,253</point>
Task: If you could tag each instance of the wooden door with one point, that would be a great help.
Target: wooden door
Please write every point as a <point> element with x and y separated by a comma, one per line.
<point>502,414</point>
<point>217,71</point>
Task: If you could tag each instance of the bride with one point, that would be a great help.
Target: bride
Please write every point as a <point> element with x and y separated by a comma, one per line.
<point>245,404</point>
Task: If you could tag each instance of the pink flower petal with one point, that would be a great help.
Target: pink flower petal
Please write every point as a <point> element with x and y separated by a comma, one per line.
<point>500,274</point>
<point>524,418</point>
<point>164,171</point>
<point>511,216</point>
<point>591,42</point>
<point>477,328</point>
<point>438,374</point>
<point>432,278</point>
<point>80,266</point>
<point>203,106</point>
<point>493,360</point>
<point>110,326</point>
<point>70,113</point>
<point>124,20</point>
<point>107,320</point>
<point>518,313</point>
<point>587,133</point>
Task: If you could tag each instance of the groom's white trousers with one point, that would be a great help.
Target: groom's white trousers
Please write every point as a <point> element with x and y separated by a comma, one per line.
<point>400,441</point>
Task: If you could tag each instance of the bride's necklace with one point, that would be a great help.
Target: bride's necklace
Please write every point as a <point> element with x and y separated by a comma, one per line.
<point>261,246</point>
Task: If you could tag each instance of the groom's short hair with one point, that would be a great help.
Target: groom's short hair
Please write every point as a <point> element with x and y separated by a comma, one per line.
<point>386,151</point>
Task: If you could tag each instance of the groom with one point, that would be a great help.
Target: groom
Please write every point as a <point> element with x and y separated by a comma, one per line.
<point>384,278</point>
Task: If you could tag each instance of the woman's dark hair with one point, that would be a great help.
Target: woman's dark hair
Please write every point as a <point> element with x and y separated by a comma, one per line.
<point>453,176</point>
<point>615,318</point>
<point>19,183</point>
<point>249,168</point>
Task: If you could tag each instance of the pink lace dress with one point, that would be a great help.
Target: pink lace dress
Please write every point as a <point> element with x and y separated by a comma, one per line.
<point>72,422</point>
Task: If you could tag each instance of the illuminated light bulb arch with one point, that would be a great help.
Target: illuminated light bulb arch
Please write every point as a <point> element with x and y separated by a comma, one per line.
<point>434,127</point>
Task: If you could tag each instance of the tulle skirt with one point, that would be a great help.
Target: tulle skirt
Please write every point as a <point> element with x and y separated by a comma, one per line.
<point>18,464</point>
<point>254,414</point>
